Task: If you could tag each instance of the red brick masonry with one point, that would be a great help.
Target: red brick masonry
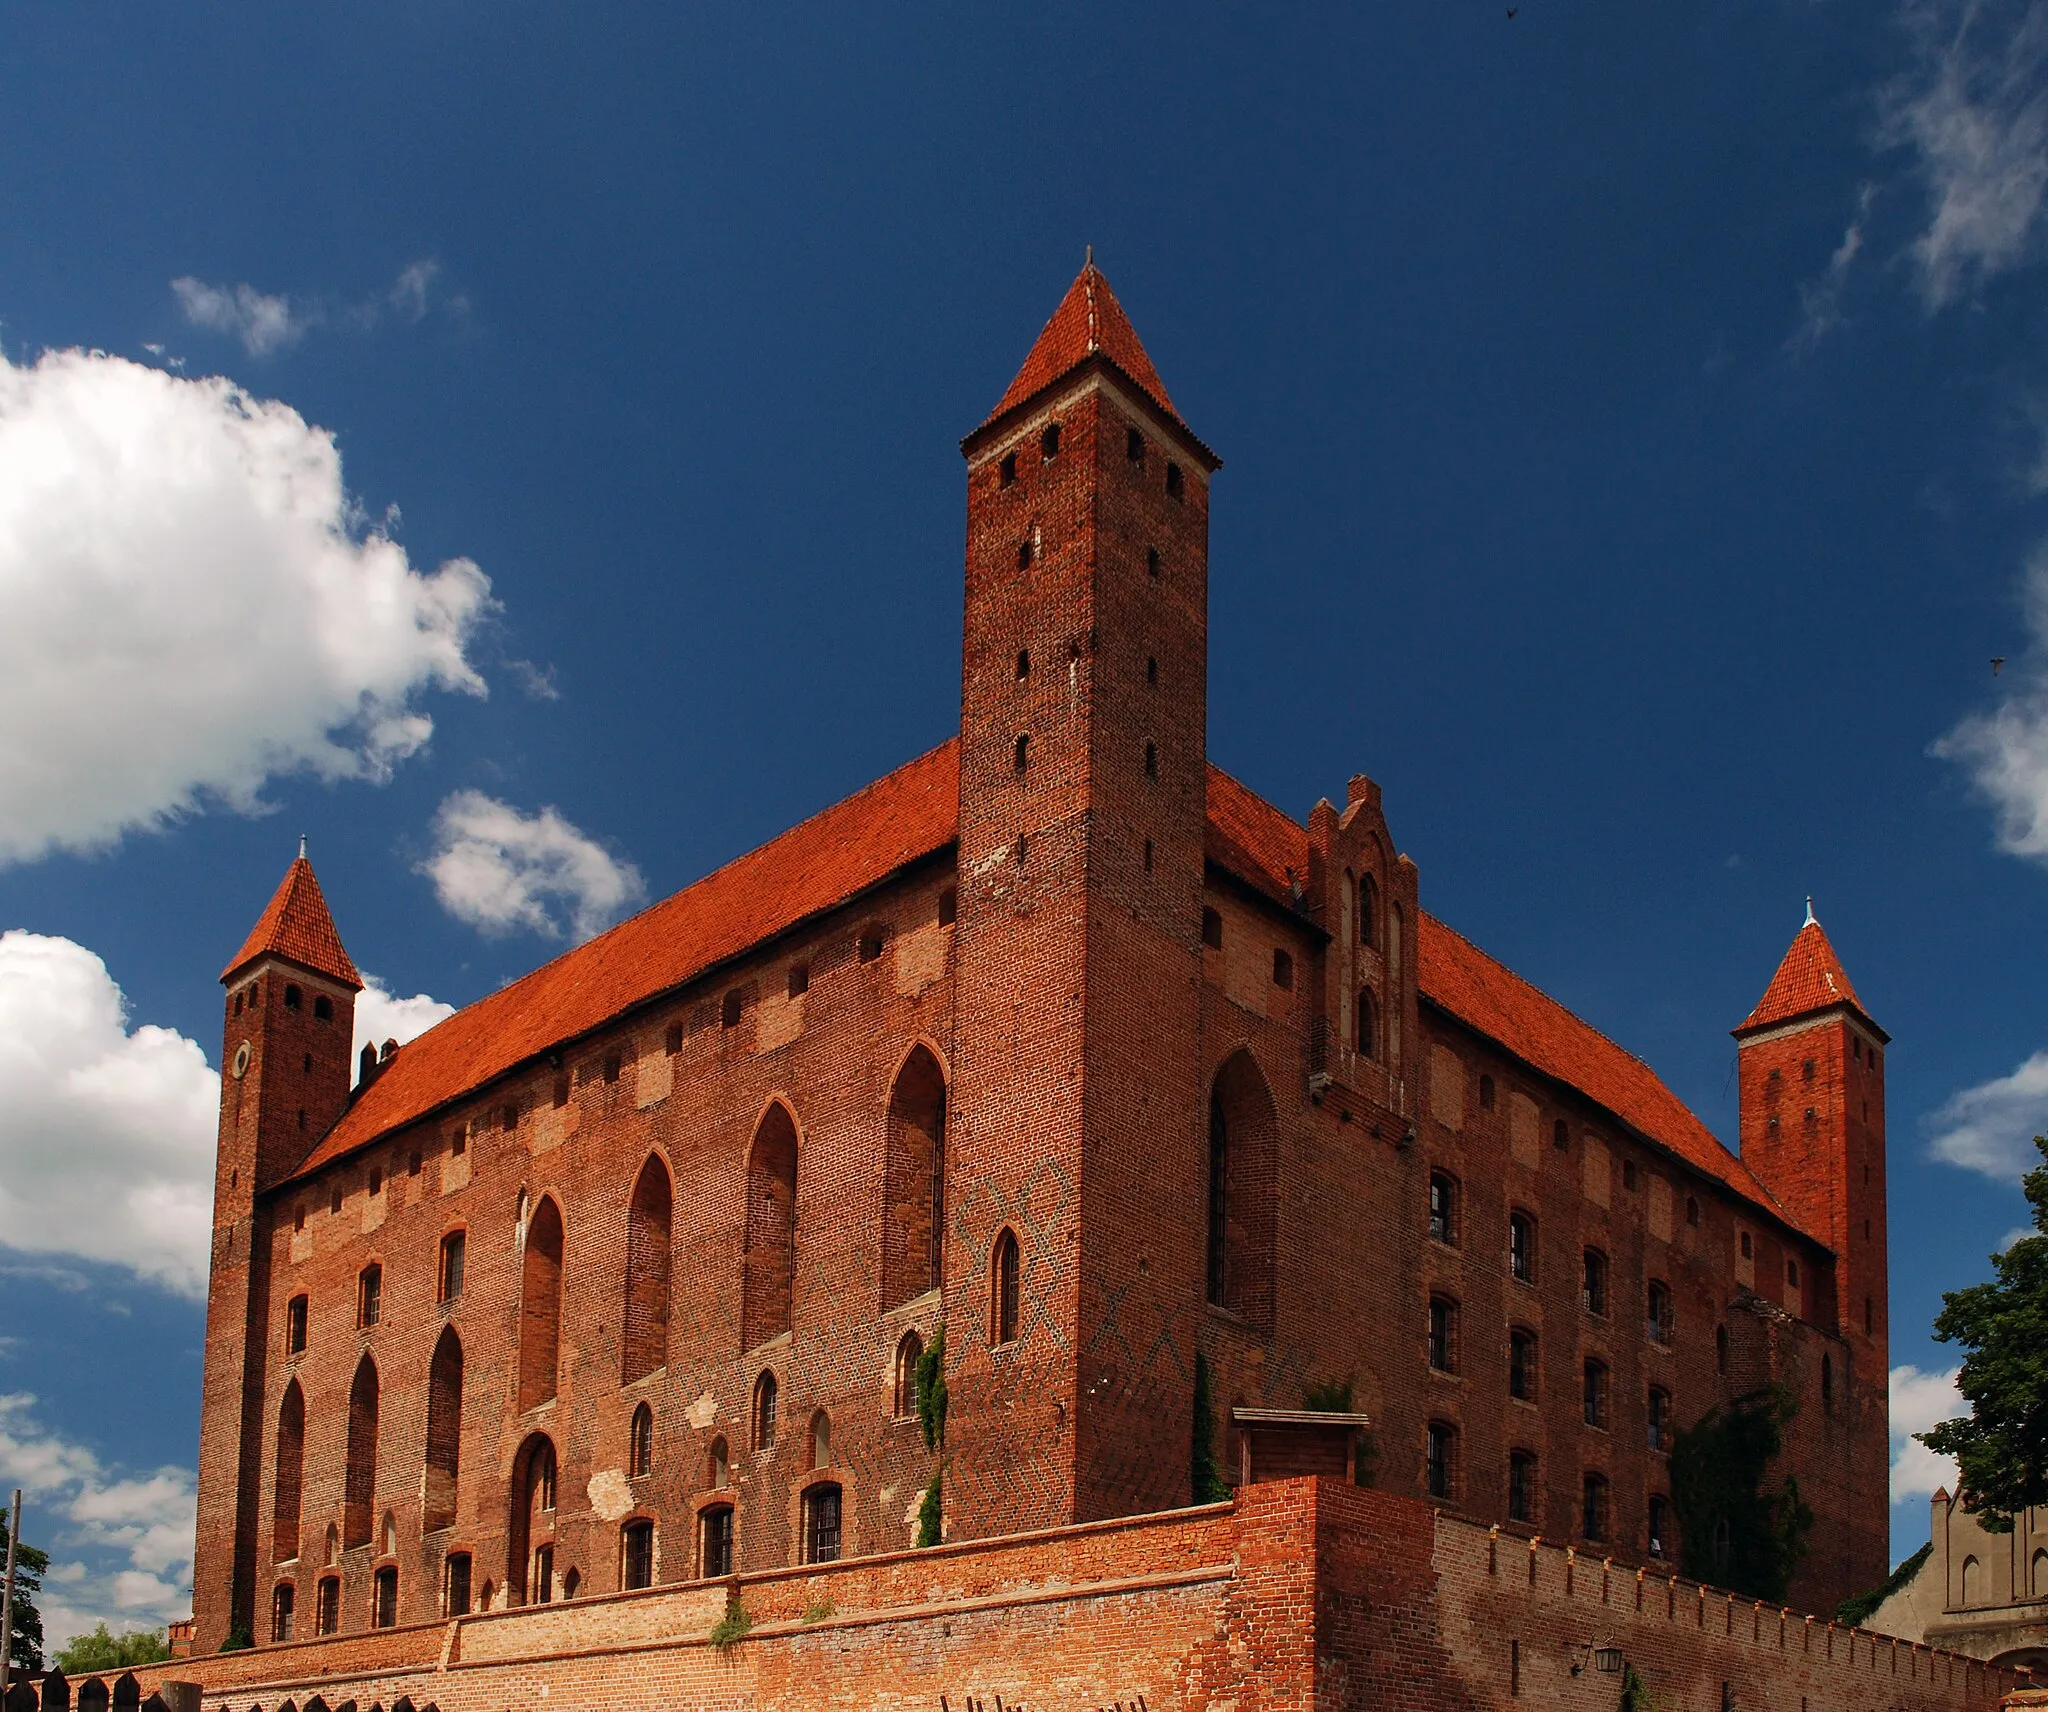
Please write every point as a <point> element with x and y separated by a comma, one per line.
<point>1300,1593</point>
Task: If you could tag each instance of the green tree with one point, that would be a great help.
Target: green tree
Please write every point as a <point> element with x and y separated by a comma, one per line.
<point>103,1650</point>
<point>25,1644</point>
<point>1205,1480</point>
<point>2001,1445</point>
<point>1738,1533</point>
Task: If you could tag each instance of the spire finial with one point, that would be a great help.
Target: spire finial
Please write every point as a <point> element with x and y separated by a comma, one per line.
<point>1810,921</point>
<point>302,847</point>
<point>1089,259</point>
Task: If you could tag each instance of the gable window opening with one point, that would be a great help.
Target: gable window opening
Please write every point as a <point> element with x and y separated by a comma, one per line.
<point>729,1010</point>
<point>1283,970</point>
<point>1134,446</point>
<point>1049,442</point>
<point>1006,471</point>
<point>799,982</point>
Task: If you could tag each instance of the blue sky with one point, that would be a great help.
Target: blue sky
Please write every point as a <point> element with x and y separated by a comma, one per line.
<point>1636,432</point>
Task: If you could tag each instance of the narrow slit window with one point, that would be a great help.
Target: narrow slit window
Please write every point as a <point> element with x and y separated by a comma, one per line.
<point>1006,471</point>
<point>295,1326</point>
<point>1283,970</point>
<point>1151,760</point>
<point>1152,569</point>
<point>1020,755</point>
<point>1023,665</point>
<point>1004,1290</point>
<point>1134,446</point>
<point>1174,481</point>
<point>1049,442</point>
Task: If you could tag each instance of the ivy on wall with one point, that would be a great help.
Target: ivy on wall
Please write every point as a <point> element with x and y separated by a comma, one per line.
<point>1205,1480</point>
<point>1736,1531</point>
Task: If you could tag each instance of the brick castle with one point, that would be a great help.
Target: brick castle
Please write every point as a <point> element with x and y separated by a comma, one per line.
<point>1061,1039</point>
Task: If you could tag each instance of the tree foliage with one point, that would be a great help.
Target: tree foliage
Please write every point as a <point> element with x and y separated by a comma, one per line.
<point>1738,1533</point>
<point>2001,1445</point>
<point>25,1643</point>
<point>1205,1479</point>
<point>103,1650</point>
<point>1857,1611</point>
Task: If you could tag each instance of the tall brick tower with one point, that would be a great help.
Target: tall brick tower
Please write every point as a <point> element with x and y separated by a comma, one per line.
<point>1078,1130</point>
<point>1812,1126</point>
<point>288,1019</point>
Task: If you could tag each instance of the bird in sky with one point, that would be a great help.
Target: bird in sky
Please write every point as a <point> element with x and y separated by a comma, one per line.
<point>1997,660</point>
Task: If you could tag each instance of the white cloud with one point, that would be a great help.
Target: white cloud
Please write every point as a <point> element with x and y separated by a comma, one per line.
<point>1820,300</point>
<point>1974,112</point>
<point>1920,1401</point>
<point>262,322</point>
<point>2005,750</point>
<point>382,1015</point>
<point>133,1532</point>
<point>1991,1127</point>
<point>499,869</point>
<point>106,1133</point>
<point>190,606</point>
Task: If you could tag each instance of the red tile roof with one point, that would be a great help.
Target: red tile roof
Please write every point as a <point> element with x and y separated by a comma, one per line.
<point>1258,843</point>
<point>296,925</point>
<point>1809,979</point>
<point>912,813</point>
<point>813,866</point>
<point>1089,319</point>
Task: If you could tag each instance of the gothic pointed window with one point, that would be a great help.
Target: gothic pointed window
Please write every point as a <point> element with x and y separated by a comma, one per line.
<point>644,1340</point>
<point>914,1180</point>
<point>1004,1287</point>
<point>444,1432</point>
<point>540,1305</point>
<point>640,1444</point>
<point>769,1261</point>
<point>290,1474</point>
<point>903,1381</point>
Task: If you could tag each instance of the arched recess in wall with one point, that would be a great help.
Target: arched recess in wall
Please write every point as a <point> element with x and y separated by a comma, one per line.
<point>1973,1582</point>
<point>444,1432</point>
<point>643,1343</point>
<point>1244,1159</point>
<point>289,1480</point>
<point>770,1258</point>
<point>914,1179</point>
<point>530,1536</point>
<point>359,1475</point>
<point>540,1305</point>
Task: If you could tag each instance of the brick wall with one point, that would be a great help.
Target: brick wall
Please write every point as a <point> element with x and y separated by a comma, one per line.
<point>1302,1594</point>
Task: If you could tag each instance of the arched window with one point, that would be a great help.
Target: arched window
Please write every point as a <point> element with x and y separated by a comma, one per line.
<point>718,1465</point>
<point>1596,1392</point>
<point>359,1475</point>
<point>821,1440</point>
<point>1594,1520</point>
<point>640,1443</point>
<point>327,1606</point>
<point>1367,1024</point>
<point>1440,1460</point>
<point>1443,1334</point>
<point>1521,1486</point>
<point>282,1600</point>
<point>455,1585</point>
<point>1020,756</point>
<point>770,1258</point>
<point>903,1387</point>
<point>540,1305</point>
<point>636,1555</point>
<point>821,1523</point>
<point>714,1541</point>
<point>530,1547</point>
<point>643,1342</point>
<point>444,1432</point>
<point>1243,1190</point>
<point>387,1536</point>
<point>765,1409</point>
<point>333,1552</point>
<point>2039,1574</point>
<point>1593,1283</point>
<point>1522,1369</point>
<point>914,1180</point>
<point>1522,1246</point>
<point>290,1475</point>
<point>1049,442</point>
<point>1003,1290</point>
<point>384,1598</point>
<point>1368,910</point>
<point>292,998</point>
<point>1658,1418</point>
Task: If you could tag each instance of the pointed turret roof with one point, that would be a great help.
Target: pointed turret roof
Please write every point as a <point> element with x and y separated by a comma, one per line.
<point>1088,322</point>
<point>297,926</point>
<point>1810,978</point>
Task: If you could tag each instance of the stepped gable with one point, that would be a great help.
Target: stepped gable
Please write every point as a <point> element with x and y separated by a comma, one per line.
<point>913,813</point>
<point>823,862</point>
<point>1088,321</point>
<point>296,925</point>
<point>1810,978</point>
<point>1259,844</point>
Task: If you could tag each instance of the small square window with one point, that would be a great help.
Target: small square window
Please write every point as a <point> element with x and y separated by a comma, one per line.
<point>1212,930</point>
<point>1006,471</point>
<point>672,1042</point>
<point>870,944</point>
<point>729,1009</point>
<point>799,980</point>
<point>1283,970</point>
